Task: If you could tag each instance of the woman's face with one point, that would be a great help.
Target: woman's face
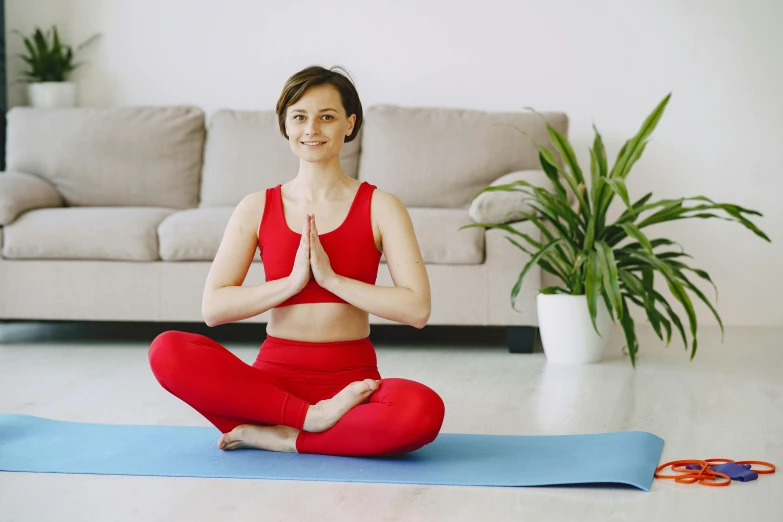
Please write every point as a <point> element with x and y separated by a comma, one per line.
<point>319,116</point>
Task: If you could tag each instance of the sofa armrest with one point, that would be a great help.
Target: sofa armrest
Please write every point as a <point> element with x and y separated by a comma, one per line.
<point>501,206</point>
<point>20,192</point>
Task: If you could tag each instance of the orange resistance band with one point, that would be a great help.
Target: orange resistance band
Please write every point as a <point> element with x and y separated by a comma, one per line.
<point>705,475</point>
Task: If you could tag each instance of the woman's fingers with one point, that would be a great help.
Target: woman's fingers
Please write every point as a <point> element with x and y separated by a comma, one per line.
<point>310,231</point>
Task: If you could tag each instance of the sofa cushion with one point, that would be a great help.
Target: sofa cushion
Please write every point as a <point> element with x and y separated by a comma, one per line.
<point>441,241</point>
<point>125,156</point>
<point>121,233</point>
<point>246,153</point>
<point>195,235</point>
<point>441,157</point>
<point>506,206</point>
<point>20,192</point>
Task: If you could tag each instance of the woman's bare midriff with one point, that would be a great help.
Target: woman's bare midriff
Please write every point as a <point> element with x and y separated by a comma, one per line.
<point>319,322</point>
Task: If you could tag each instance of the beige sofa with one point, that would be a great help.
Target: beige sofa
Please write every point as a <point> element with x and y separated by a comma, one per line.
<point>115,214</point>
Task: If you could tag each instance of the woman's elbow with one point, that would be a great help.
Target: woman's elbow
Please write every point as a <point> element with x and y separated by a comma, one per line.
<point>207,315</point>
<point>422,318</point>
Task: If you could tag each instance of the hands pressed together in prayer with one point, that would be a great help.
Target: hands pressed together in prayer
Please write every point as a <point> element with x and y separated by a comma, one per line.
<point>311,259</point>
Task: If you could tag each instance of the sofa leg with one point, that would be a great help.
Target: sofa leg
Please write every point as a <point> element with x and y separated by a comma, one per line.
<point>520,338</point>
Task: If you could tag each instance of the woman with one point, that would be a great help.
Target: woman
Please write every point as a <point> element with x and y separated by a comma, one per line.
<point>315,385</point>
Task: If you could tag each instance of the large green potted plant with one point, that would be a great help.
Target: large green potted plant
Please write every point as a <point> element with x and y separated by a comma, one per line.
<point>605,266</point>
<point>49,63</point>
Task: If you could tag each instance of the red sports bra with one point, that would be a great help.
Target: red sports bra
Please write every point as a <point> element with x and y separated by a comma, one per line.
<point>350,247</point>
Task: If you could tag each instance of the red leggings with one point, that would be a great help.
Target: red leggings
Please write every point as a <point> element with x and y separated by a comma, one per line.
<point>285,379</point>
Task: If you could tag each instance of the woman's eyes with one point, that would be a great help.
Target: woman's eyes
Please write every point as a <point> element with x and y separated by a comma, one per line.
<point>326,115</point>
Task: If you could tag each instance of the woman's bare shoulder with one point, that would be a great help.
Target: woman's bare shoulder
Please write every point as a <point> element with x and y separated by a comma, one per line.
<point>387,210</point>
<point>255,203</point>
<point>386,202</point>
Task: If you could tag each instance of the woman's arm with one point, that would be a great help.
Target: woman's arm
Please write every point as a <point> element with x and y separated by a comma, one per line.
<point>225,300</point>
<point>408,301</point>
<point>233,303</point>
<point>398,304</point>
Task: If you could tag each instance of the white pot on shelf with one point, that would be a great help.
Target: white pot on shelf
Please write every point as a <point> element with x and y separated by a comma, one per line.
<point>49,95</point>
<point>567,333</point>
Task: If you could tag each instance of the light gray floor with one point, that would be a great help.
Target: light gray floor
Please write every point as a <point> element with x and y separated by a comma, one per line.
<point>727,403</point>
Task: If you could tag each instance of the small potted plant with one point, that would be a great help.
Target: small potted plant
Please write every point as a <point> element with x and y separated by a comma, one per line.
<point>605,266</point>
<point>49,64</point>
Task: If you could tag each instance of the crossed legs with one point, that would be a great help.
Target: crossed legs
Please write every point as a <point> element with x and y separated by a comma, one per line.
<point>393,417</point>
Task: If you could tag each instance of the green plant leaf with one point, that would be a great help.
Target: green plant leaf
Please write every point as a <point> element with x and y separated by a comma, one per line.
<point>549,290</point>
<point>562,145</point>
<point>700,295</point>
<point>56,43</point>
<point>549,163</point>
<point>31,49</point>
<point>516,186</point>
<point>608,271</point>
<point>600,153</point>
<point>553,176</point>
<point>630,334</point>
<point>550,267</point>
<point>87,42</point>
<point>618,187</point>
<point>507,228</point>
<point>549,236</point>
<point>701,273</point>
<point>635,145</point>
<point>554,218</point>
<point>657,297</point>
<point>673,209</point>
<point>656,318</point>
<point>671,255</point>
<point>682,296</point>
<point>534,260</point>
<point>560,208</point>
<point>567,153</point>
<point>637,292</point>
<point>523,249</point>
<point>634,232</point>
<point>593,286</point>
<point>676,289</point>
<point>560,271</point>
<point>595,176</point>
<point>550,160</point>
<point>736,212</point>
<point>672,315</point>
<point>630,214</point>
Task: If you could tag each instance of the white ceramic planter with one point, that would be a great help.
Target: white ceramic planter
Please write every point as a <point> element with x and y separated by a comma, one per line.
<point>49,95</point>
<point>567,334</point>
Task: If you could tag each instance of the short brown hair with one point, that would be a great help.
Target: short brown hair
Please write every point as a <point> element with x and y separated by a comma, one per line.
<point>314,75</point>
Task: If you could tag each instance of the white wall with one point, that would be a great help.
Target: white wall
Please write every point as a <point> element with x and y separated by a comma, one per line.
<point>605,61</point>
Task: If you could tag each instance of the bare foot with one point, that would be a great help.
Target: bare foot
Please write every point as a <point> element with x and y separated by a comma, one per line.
<point>325,414</point>
<point>271,438</point>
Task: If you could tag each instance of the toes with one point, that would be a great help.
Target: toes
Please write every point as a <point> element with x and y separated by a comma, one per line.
<point>231,445</point>
<point>229,440</point>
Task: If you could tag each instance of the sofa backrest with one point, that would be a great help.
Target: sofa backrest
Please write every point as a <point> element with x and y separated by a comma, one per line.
<point>441,157</point>
<point>245,153</point>
<point>125,156</point>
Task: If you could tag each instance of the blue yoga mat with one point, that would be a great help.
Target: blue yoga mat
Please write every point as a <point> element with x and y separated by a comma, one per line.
<point>36,444</point>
